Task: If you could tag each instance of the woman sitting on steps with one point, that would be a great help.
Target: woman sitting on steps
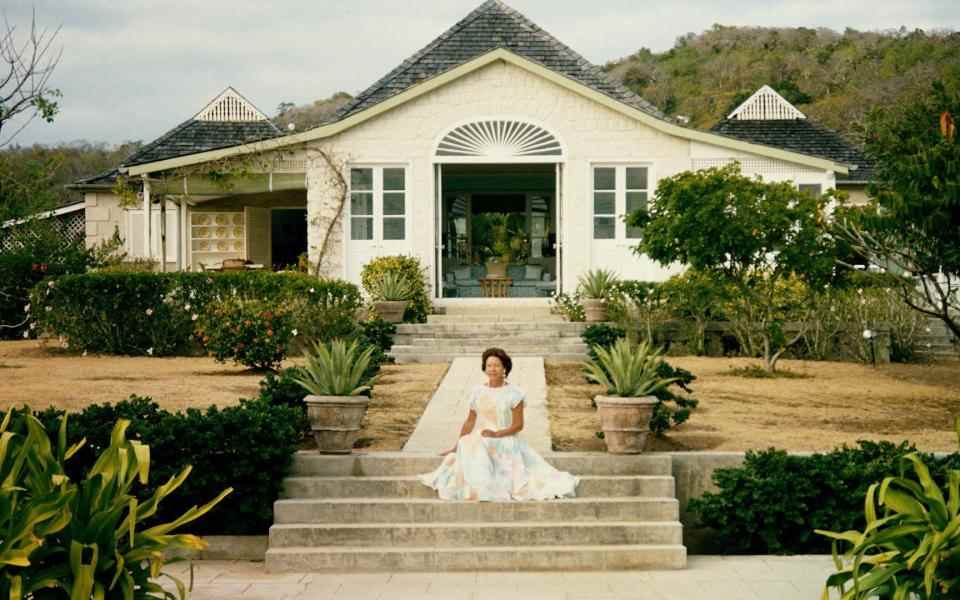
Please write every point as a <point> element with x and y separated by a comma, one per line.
<point>490,462</point>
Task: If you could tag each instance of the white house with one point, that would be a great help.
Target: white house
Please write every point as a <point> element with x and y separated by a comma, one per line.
<point>494,117</point>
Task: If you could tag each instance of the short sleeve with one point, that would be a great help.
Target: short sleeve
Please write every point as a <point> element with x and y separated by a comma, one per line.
<point>518,397</point>
<point>473,399</point>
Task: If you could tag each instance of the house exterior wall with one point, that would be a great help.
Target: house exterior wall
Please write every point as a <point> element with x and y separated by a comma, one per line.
<point>590,133</point>
<point>103,215</point>
<point>856,194</point>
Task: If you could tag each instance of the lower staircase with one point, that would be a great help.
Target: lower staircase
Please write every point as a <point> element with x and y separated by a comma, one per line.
<point>522,329</point>
<point>936,342</point>
<point>362,513</point>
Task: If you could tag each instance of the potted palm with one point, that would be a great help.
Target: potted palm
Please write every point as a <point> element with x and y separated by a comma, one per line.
<point>596,285</point>
<point>500,251</point>
<point>629,372</point>
<point>391,295</point>
<point>333,375</point>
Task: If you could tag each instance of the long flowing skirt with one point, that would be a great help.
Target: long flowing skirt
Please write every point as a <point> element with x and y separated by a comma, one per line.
<point>498,469</point>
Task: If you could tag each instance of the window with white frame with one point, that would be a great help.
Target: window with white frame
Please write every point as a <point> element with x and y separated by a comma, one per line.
<point>813,189</point>
<point>378,203</point>
<point>618,190</point>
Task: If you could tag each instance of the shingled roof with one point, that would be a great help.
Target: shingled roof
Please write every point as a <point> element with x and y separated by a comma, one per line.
<point>193,136</point>
<point>491,26</point>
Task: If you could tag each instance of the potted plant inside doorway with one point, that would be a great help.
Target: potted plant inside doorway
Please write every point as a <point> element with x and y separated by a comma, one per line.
<point>595,286</point>
<point>629,371</point>
<point>334,377</point>
<point>391,293</point>
<point>500,252</point>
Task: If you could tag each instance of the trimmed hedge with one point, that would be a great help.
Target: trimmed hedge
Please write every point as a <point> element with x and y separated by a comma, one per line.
<point>249,447</point>
<point>773,503</point>
<point>155,313</point>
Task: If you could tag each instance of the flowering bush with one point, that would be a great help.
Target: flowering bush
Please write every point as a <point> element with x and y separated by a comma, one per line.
<point>155,314</point>
<point>254,333</point>
<point>409,268</point>
<point>568,306</point>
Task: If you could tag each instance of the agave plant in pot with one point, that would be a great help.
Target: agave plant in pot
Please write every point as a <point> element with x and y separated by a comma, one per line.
<point>596,285</point>
<point>629,372</point>
<point>391,295</point>
<point>334,377</point>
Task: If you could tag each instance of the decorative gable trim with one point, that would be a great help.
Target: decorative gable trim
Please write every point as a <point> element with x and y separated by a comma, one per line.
<point>327,131</point>
<point>230,106</point>
<point>504,139</point>
<point>766,105</point>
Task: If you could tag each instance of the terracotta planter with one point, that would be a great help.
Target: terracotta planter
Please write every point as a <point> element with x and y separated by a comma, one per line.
<point>391,311</point>
<point>595,310</point>
<point>496,269</point>
<point>335,421</point>
<point>625,422</point>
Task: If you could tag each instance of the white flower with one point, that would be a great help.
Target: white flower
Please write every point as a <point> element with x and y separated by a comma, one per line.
<point>311,290</point>
<point>84,353</point>
<point>927,329</point>
<point>26,308</point>
<point>294,332</point>
<point>186,307</point>
<point>150,351</point>
<point>26,335</point>
<point>194,317</point>
<point>50,284</point>
<point>66,345</point>
<point>49,308</point>
<point>33,325</point>
<point>149,312</point>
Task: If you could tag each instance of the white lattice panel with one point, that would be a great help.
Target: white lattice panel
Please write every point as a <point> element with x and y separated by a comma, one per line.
<point>766,105</point>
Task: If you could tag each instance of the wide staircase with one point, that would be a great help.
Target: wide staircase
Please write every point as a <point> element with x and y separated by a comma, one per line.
<point>369,513</point>
<point>936,341</point>
<point>520,328</point>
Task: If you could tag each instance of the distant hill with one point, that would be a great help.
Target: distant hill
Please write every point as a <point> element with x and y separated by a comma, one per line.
<point>308,116</point>
<point>834,78</point>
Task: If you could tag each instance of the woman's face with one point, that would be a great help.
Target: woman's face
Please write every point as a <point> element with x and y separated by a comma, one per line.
<point>494,369</point>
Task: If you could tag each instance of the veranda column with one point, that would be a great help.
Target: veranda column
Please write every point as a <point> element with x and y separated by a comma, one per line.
<point>147,221</point>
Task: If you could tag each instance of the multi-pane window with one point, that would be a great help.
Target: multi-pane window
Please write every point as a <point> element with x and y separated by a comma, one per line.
<point>378,202</point>
<point>813,189</point>
<point>618,191</point>
<point>604,203</point>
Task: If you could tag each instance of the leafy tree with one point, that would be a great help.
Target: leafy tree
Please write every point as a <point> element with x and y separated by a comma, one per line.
<point>765,240</point>
<point>913,223</point>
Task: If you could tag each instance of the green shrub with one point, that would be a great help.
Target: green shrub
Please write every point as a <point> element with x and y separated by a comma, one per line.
<point>377,334</point>
<point>89,536</point>
<point>408,267</point>
<point>282,388</point>
<point>568,306</point>
<point>249,447</point>
<point>254,333</point>
<point>156,313</point>
<point>695,298</point>
<point>601,335</point>
<point>774,502</point>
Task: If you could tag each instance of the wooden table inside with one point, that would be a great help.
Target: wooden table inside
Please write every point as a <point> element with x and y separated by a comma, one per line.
<point>495,287</point>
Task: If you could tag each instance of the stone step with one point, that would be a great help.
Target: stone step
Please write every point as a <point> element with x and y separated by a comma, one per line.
<point>446,535</point>
<point>418,510</point>
<point>419,357</point>
<point>409,487</point>
<point>527,339</point>
<point>490,328</point>
<point>452,346</point>
<point>500,558</point>
<point>485,333</point>
<point>400,464</point>
<point>507,315</point>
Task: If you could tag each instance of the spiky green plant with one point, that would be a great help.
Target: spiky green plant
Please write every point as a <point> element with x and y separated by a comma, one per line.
<point>337,369</point>
<point>393,287</point>
<point>627,369</point>
<point>86,539</point>
<point>597,283</point>
<point>909,551</point>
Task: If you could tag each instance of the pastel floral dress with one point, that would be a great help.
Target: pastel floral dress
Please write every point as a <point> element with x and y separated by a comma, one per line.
<point>497,469</point>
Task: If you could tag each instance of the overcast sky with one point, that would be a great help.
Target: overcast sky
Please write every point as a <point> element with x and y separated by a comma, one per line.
<point>132,69</point>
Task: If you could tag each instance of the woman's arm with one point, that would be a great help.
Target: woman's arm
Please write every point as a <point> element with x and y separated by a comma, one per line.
<point>464,430</point>
<point>516,424</point>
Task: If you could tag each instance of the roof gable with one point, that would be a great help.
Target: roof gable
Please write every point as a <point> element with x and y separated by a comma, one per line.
<point>766,105</point>
<point>493,25</point>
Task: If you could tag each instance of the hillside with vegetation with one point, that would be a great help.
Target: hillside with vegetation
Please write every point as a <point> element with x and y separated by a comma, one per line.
<point>834,78</point>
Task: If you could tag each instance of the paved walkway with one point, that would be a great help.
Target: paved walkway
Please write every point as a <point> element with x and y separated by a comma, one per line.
<point>706,578</point>
<point>441,421</point>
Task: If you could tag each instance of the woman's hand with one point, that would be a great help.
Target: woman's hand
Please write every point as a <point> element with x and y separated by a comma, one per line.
<point>450,451</point>
<point>489,433</point>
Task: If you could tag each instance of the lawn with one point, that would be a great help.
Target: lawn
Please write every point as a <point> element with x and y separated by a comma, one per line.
<point>42,376</point>
<point>832,403</point>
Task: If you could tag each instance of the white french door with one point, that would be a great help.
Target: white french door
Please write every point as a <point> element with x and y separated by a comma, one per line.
<point>378,223</point>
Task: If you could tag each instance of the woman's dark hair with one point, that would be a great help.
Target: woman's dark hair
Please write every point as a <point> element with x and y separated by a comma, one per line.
<point>499,353</point>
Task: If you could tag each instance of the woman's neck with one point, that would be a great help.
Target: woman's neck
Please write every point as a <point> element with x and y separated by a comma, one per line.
<point>496,384</point>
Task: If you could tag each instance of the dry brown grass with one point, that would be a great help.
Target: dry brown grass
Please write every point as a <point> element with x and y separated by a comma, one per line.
<point>834,403</point>
<point>42,376</point>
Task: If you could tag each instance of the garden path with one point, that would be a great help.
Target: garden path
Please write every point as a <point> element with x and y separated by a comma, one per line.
<point>438,427</point>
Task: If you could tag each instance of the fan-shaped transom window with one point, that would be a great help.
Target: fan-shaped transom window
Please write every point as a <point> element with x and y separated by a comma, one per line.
<point>501,139</point>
